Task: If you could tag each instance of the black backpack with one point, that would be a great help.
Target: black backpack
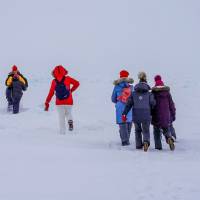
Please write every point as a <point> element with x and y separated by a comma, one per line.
<point>62,92</point>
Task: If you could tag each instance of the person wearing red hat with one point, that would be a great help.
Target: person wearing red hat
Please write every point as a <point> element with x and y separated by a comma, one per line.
<point>16,83</point>
<point>163,114</point>
<point>121,92</point>
<point>62,86</point>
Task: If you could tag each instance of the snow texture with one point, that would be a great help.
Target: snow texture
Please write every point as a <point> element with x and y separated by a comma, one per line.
<point>94,40</point>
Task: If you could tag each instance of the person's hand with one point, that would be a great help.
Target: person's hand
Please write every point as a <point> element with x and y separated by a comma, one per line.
<point>46,106</point>
<point>16,76</point>
<point>124,118</point>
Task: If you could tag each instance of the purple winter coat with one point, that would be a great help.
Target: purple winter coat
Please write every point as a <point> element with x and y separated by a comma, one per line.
<point>164,112</point>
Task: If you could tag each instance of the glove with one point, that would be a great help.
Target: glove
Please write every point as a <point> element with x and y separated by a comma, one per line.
<point>46,106</point>
<point>124,118</point>
<point>16,76</point>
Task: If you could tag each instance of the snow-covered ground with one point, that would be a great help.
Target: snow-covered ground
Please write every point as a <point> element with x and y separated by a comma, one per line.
<point>94,40</point>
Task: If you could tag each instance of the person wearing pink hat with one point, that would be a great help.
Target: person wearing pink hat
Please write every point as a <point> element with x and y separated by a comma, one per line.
<point>121,92</point>
<point>16,83</point>
<point>163,114</point>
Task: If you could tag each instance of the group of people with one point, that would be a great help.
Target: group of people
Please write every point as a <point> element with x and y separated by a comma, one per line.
<point>62,86</point>
<point>142,106</point>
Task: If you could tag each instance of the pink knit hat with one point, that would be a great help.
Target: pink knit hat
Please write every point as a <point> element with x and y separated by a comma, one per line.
<point>158,80</point>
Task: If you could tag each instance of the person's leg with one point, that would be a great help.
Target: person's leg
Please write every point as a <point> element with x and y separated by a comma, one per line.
<point>9,99</point>
<point>172,130</point>
<point>129,124</point>
<point>169,139</point>
<point>138,136</point>
<point>69,117</point>
<point>16,103</point>
<point>167,133</point>
<point>146,132</point>
<point>157,138</point>
<point>123,130</point>
<point>61,117</point>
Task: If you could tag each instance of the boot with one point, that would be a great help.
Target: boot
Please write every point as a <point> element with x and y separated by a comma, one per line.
<point>125,143</point>
<point>170,141</point>
<point>70,123</point>
<point>146,146</point>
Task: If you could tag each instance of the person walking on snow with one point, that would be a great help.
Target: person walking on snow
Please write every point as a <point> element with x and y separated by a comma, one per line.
<point>163,114</point>
<point>62,86</point>
<point>16,83</point>
<point>141,102</point>
<point>121,92</point>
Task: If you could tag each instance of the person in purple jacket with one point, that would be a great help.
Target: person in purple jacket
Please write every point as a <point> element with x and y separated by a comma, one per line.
<point>163,114</point>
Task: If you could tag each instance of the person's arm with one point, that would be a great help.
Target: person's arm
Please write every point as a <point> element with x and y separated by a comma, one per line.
<point>172,108</point>
<point>114,96</point>
<point>75,84</point>
<point>129,105</point>
<point>21,79</point>
<point>9,81</point>
<point>51,92</point>
<point>152,101</point>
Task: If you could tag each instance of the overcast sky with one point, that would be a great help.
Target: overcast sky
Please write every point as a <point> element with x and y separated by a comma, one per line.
<point>148,34</point>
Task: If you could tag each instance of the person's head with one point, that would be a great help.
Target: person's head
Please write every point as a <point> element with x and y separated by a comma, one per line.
<point>142,77</point>
<point>59,72</point>
<point>124,74</point>
<point>14,69</point>
<point>158,80</point>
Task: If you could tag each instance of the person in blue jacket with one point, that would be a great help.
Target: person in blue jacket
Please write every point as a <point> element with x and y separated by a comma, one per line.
<point>121,92</point>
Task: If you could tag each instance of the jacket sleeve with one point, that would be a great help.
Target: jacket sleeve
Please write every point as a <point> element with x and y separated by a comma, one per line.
<point>152,101</point>
<point>9,81</point>
<point>129,105</point>
<point>172,108</point>
<point>51,91</point>
<point>114,96</point>
<point>75,84</point>
<point>21,79</point>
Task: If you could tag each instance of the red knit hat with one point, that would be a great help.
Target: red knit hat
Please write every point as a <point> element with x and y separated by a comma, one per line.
<point>14,68</point>
<point>124,74</point>
<point>158,80</point>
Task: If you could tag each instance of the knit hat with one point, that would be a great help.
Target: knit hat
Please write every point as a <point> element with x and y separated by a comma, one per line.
<point>142,76</point>
<point>14,68</point>
<point>124,74</point>
<point>158,80</point>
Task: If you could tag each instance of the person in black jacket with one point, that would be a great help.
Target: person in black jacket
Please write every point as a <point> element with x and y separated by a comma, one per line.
<point>16,83</point>
<point>141,101</point>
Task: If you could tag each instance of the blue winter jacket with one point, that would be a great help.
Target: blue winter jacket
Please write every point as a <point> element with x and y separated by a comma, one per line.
<point>120,84</point>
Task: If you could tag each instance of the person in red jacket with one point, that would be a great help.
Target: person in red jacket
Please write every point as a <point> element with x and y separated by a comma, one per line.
<point>62,86</point>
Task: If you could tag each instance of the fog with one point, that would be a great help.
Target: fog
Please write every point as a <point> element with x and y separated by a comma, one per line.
<point>91,34</point>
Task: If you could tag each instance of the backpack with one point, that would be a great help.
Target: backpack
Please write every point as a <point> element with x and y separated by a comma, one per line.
<point>62,92</point>
<point>126,93</point>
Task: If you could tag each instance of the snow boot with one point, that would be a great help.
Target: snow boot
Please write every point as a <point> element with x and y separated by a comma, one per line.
<point>170,141</point>
<point>146,146</point>
<point>125,143</point>
<point>70,123</point>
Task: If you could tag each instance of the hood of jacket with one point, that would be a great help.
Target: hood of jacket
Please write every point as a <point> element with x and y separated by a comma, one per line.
<point>59,72</point>
<point>160,88</point>
<point>123,80</point>
<point>142,87</point>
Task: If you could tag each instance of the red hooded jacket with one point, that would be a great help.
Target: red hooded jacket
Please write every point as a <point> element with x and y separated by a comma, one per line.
<point>58,73</point>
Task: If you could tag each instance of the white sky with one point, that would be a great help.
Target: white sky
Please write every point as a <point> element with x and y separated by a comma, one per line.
<point>151,34</point>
